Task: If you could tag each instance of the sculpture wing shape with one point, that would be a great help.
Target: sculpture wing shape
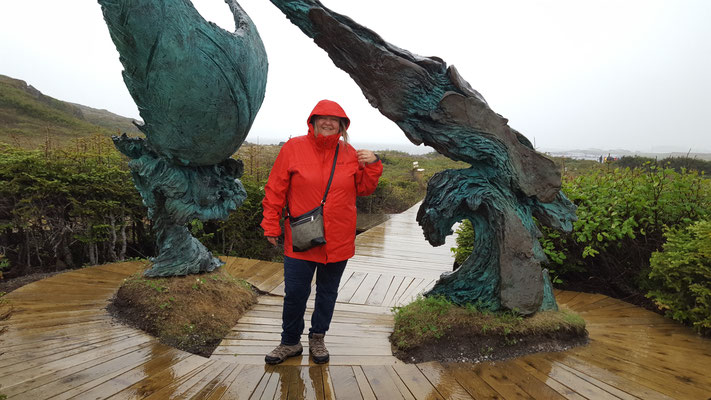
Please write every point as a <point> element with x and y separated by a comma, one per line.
<point>197,87</point>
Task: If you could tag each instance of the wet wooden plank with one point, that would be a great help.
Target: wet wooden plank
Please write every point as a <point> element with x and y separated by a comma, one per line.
<point>537,389</point>
<point>676,380</point>
<point>381,382</point>
<point>365,289</point>
<point>472,382</point>
<point>667,384</point>
<point>187,372</point>
<point>498,378</point>
<point>261,272</point>
<point>416,382</point>
<point>345,384</point>
<point>444,382</point>
<point>377,295</point>
<point>392,290</point>
<point>273,386</point>
<point>222,382</point>
<point>204,387</point>
<point>406,284</point>
<point>170,386</point>
<point>62,380</point>
<point>19,373</point>
<point>560,383</point>
<point>349,289</point>
<point>309,384</point>
<point>245,382</point>
<point>118,383</point>
<point>347,274</point>
<point>237,266</point>
<point>365,390</point>
<point>594,374</point>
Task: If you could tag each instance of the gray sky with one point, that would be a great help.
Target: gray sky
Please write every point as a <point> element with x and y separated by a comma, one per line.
<point>632,74</point>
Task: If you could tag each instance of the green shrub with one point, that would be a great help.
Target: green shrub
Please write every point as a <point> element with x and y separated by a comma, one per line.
<point>622,217</point>
<point>681,276</point>
<point>67,208</point>
<point>464,241</point>
<point>676,163</point>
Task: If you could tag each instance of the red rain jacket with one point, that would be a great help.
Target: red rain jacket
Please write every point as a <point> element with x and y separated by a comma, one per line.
<point>300,175</point>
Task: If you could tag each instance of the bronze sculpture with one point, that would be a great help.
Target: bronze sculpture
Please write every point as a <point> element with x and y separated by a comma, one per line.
<point>198,89</point>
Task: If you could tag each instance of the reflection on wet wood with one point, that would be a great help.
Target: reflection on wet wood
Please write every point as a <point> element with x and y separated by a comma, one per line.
<point>65,346</point>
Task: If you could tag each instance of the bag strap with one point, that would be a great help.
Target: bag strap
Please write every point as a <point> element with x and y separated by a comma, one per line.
<point>330,178</point>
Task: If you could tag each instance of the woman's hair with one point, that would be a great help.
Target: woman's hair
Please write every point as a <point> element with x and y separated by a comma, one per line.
<point>343,129</point>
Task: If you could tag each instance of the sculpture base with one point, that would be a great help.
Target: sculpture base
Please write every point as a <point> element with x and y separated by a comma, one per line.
<point>180,253</point>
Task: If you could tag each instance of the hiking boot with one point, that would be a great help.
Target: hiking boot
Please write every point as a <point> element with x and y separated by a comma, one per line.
<point>317,348</point>
<point>282,352</point>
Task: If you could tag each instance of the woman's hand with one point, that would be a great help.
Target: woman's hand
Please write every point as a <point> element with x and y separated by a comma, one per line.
<point>273,240</point>
<point>366,156</point>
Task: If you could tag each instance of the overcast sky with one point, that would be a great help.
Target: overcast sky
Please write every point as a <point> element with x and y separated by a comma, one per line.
<point>567,74</point>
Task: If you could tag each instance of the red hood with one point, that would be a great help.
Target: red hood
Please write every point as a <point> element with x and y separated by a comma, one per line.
<point>327,107</point>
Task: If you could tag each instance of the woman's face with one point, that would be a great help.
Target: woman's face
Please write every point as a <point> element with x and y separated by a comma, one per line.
<point>326,125</point>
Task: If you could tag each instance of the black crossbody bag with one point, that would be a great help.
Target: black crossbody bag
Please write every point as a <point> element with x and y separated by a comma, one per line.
<point>307,229</point>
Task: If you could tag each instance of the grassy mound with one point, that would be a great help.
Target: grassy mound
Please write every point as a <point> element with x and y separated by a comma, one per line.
<point>5,311</point>
<point>432,328</point>
<point>192,313</point>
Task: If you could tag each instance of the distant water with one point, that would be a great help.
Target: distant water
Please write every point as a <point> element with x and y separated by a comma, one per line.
<point>404,147</point>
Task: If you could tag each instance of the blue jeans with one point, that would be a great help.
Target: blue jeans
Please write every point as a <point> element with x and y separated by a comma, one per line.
<point>298,275</point>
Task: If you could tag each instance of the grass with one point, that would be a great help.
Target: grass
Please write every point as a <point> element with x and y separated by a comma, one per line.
<point>5,311</point>
<point>436,322</point>
<point>192,313</point>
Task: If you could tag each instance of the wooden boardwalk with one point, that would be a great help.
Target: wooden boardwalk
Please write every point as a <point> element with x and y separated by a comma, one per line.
<point>60,343</point>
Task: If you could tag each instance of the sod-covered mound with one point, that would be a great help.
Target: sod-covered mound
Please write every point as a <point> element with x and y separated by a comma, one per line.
<point>432,328</point>
<point>192,313</point>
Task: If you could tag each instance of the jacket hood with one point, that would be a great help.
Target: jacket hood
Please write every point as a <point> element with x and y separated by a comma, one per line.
<point>327,107</point>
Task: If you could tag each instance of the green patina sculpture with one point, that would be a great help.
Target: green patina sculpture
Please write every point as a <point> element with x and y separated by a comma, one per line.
<point>507,184</point>
<point>198,89</point>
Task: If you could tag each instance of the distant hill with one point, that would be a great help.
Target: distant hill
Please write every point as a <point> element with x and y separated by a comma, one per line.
<point>29,118</point>
<point>108,119</point>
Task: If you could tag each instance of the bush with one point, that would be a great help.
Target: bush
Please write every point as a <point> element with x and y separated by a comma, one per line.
<point>67,208</point>
<point>622,217</point>
<point>464,241</point>
<point>681,275</point>
<point>676,163</point>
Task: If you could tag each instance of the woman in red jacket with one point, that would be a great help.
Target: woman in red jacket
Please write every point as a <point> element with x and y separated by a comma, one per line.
<point>298,179</point>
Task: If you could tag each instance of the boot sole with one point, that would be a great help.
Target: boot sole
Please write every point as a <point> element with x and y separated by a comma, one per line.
<point>273,361</point>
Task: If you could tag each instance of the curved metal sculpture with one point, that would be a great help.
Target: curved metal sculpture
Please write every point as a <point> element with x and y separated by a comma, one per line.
<point>198,89</point>
<point>507,184</point>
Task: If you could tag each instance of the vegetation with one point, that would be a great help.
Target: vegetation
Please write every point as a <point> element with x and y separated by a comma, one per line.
<point>404,183</point>
<point>622,217</point>
<point>192,313</point>
<point>62,208</point>
<point>676,163</point>
<point>681,276</point>
<point>433,321</point>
